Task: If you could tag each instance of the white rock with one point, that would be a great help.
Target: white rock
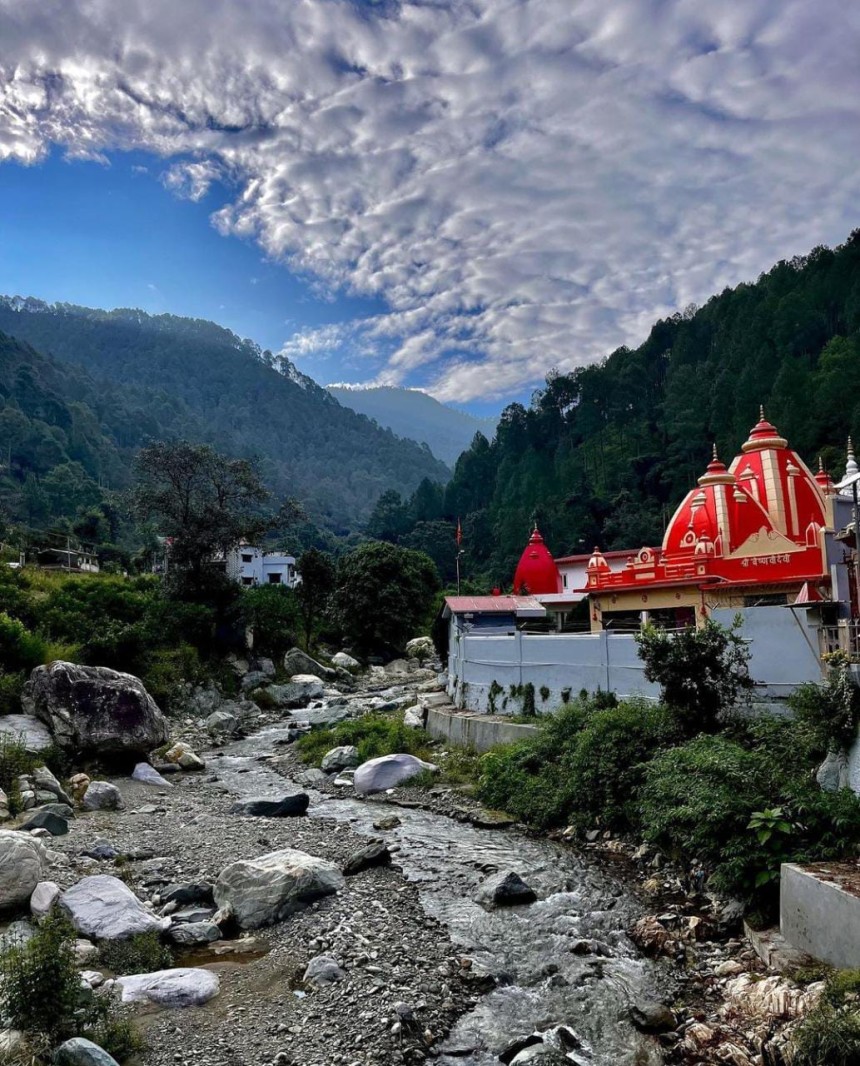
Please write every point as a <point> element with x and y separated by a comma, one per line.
<point>21,859</point>
<point>35,733</point>
<point>184,757</point>
<point>345,662</point>
<point>44,896</point>
<point>266,889</point>
<point>311,684</point>
<point>148,775</point>
<point>102,907</point>
<point>181,987</point>
<point>413,717</point>
<point>102,796</point>
<point>388,771</point>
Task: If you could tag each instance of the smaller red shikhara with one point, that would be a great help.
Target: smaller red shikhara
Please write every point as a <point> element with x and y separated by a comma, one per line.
<point>536,572</point>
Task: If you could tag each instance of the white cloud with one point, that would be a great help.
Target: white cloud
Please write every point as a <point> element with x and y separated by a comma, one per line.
<point>526,183</point>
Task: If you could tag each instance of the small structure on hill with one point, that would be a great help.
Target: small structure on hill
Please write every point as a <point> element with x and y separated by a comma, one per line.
<point>251,566</point>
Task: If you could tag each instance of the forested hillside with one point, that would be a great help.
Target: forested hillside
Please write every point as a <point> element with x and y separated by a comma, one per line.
<point>409,413</point>
<point>604,454</point>
<point>169,376</point>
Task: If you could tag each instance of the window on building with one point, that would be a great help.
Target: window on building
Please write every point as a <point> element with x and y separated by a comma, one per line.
<point>766,599</point>
<point>274,579</point>
<point>564,580</point>
<point>247,581</point>
<point>247,558</point>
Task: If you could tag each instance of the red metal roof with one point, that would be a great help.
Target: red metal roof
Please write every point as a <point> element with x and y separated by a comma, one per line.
<point>492,604</point>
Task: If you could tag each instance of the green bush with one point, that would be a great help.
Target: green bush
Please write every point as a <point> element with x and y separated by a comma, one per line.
<point>706,798</point>
<point>167,669</point>
<point>373,735</point>
<point>831,710</point>
<point>41,995</point>
<point>273,614</point>
<point>585,765</point>
<point>830,1034</point>
<point>702,672</point>
<point>141,953</point>
<point>11,686</point>
<point>14,761</point>
<point>20,650</point>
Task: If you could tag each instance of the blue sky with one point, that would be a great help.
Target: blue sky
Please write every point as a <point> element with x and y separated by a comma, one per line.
<point>456,195</point>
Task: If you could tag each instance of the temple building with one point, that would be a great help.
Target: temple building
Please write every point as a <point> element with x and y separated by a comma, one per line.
<point>752,534</point>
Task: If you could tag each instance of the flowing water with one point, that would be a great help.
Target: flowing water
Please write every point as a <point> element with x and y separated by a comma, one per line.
<point>542,982</point>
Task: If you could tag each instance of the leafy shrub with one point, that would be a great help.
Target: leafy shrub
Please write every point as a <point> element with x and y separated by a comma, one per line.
<point>141,953</point>
<point>831,710</point>
<point>42,996</point>
<point>830,1033</point>
<point>20,650</point>
<point>706,800</point>
<point>701,672</point>
<point>167,669</point>
<point>373,735</point>
<point>273,614</point>
<point>584,765</point>
<point>14,761</point>
<point>11,686</point>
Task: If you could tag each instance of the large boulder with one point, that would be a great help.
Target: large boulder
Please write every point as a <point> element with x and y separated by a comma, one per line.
<point>26,729</point>
<point>297,692</point>
<point>104,908</point>
<point>44,896</point>
<point>91,710</point>
<point>102,796</point>
<point>342,758</point>
<point>21,858</point>
<point>297,661</point>
<point>266,889</point>
<point>505,889</point>
<point>345,662</point>
<point>222,722</point>
<point>181,987</point>
<point>421,648</point>
<point>388,771</point>
<point>81,1052</point>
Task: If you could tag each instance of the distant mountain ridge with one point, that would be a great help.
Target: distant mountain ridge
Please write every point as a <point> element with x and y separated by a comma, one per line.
<point>227,391</point>
<point>415,415</point>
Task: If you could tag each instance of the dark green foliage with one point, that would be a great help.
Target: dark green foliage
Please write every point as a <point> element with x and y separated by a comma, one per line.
<point>20,650</point>
<point>706,798</point>
<point>42,996</point>
<point>314,593</point>
<point>495,690</point>
<point>702,672</point>
<point>272,612</point>
<point>831,709</point>
<point>373,735</point>
<point>163,378</point>
<point>603,454</point>
<point>585,766</point>
<point>830,1034</point>
<point>384,595</point>
<point>141,953</point>
<point>14,761</point>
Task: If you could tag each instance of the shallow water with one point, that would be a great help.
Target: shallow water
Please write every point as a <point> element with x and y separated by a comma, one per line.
<point>542,983</point>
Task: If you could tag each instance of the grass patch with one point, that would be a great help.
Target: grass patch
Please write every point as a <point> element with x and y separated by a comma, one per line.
<point>142,953</point>
<point>831,1032</point>
<point>373,735</point>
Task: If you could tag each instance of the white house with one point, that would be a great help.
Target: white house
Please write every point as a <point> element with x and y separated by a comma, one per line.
<point>253,566</point>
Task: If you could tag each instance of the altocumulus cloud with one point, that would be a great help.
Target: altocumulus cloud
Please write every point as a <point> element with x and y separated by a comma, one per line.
<point>526,183</point>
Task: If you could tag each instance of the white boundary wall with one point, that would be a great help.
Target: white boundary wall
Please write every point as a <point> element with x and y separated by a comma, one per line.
<point>782,642</point>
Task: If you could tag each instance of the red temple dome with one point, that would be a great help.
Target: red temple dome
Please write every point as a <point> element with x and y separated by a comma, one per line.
<point>717,518</point>
<point>775,476</point>
<point>537,574</point>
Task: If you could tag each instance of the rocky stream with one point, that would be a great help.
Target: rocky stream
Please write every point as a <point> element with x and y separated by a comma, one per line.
<point>417,953</point>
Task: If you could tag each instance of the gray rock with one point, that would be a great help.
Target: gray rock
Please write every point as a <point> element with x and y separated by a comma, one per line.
<point>81,1052</point>
<point>388,771</point>
<point>651,1017</point>
<point>42,819</point>
<point>505,889</point>
<point>297,661</point>
<point>322,717</point>
<point>374,854</point>
<point>181,987</point>
<point>291,696</point>
<point>832,775</point>
<point>345,662</point>
<point>189,933</point>
<point>266,889</point>
<point>102,850</point>
<point>421,648</point>
<point>95,711</point>
<point>45,781</point>
<point>413,717</point>
<point>61,809</point>
<point>148,775</point>
<point>281,807</point>
<point>342,758</point>
<point>21,858</point>
<point>16,936</point>
<point>262,666</point>
<point>192,914</point>
<point>102,796</point>
<point>28,728</point>
<point>181,894</point>
<point>184,757</point>
<point>222,722</point>
<point>255,679</point>
<point>104,908</point>
<point>44,896</point>
<point>323,970</point>
<point>311,777</point>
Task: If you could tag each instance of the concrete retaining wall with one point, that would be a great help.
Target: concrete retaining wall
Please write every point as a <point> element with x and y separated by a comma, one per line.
<point>480,732</point>
<point>818,916</point>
